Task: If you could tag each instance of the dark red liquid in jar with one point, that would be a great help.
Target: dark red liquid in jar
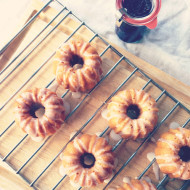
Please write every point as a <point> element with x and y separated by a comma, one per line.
<point>129,33</point>
<point>135,9</point>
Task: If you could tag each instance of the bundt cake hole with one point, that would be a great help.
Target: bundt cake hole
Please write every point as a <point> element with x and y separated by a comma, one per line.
<point>184,153</point>
<point>37,110</point>
<point>133,111</point>
<point>76,61</point>
<point>87,160</point>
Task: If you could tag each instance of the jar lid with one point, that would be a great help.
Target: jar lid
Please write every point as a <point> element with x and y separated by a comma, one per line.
<point>149,21</point>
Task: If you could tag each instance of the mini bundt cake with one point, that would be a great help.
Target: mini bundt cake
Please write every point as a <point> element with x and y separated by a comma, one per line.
<point>77,66</point>
<point>32,100</point>
<point>132,113</point>
<point>88,160</point>
<point>135,184</point>
<point>173,153</point>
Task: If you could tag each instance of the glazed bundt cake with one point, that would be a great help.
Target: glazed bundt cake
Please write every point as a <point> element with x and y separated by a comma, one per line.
<point>173,153</point>
<point>77,66</point>
<point>29,102</point>
<point>134,184</point>
<point>88,160</point>
<point>132,113</point>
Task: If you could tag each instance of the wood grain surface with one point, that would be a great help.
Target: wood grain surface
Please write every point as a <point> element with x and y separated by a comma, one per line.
<point>22,72</point>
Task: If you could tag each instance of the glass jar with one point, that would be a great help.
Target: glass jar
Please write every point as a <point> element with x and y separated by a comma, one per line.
<point>134,20</point>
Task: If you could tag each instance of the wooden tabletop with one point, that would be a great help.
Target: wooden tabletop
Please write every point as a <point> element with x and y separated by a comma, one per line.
<point>179,90</point>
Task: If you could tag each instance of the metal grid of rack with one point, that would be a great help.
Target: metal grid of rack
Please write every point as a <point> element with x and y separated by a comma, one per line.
<point>122,58</point>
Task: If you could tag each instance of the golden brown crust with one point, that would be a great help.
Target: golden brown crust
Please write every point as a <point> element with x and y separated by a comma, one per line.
<point>135,184</point>
<point>47,124</point>
<point>122,124</point>
<point>82,79</point>
<point>167,150</point>
<point>104,160</point>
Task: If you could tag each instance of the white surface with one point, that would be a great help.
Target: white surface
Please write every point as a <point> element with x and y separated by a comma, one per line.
<point>166,47</point>
<point>10,13</point>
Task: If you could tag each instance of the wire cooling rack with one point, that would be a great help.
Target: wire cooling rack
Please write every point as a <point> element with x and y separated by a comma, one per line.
<point>134,73</point>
